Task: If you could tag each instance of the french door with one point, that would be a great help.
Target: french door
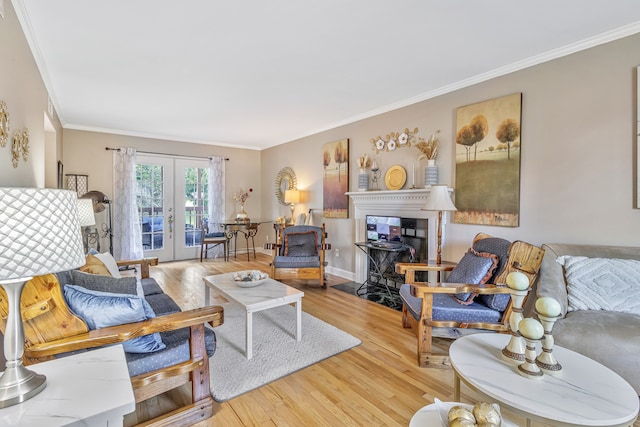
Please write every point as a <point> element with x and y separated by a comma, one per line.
<point>172,201</point>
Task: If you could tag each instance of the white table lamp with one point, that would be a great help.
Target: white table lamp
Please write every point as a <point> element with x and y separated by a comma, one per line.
<point>292,197</point>
<point>39,234</point>
<point>439,200</point>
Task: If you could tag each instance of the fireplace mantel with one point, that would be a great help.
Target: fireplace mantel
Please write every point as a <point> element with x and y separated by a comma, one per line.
<point>403,203</point>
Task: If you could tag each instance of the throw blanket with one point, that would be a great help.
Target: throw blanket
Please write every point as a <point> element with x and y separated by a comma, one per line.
<point>602,283</point>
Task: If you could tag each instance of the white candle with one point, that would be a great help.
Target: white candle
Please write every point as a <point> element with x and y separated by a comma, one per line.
<point>548,307</point>
<point>413,178</point>
<point>518,281</point>
<point>531,328</point>
<point>374,165</point>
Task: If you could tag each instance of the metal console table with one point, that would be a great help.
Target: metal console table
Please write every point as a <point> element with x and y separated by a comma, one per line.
<point>248,228</point>
<point>381,268</point>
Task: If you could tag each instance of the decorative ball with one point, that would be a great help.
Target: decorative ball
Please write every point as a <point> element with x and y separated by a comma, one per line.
<point>462,413</point>
<point>531,328</point>
<point>548,307</point>
<point>517,281</point>
<point>461,422</point>
<point>486,415</point>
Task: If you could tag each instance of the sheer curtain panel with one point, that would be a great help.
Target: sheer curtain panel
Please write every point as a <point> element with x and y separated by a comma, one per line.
<point>126,222</point>
<point>215,197</point>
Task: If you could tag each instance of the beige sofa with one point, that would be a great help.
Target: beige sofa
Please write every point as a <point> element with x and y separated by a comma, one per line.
<point>611,338</point>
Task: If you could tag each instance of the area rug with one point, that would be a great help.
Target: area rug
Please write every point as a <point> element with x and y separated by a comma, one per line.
<point>377,294</point>
<point>276,353</point>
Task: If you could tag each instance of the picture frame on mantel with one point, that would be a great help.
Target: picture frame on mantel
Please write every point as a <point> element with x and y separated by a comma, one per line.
<point>488,159</point>
<point>335,179</point>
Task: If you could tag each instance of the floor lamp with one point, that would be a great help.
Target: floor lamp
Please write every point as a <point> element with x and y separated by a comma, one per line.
<point>39,234</point>
<point>87,219</point>
<point>439,200</point>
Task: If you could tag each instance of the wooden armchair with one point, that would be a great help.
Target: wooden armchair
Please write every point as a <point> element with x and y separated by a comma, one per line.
<point>52,329</point>
<point>300,253</point>
<point>430,305</point>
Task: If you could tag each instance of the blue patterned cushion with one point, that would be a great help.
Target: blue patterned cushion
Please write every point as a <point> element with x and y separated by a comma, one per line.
<point>496,246</point>
<point>447,309</point>
<point>96,282</point>
<point>500,247</point>
<point>102,309</point>
<point>177,350</point>
<point>296,262</point>
<point>474,268</point>
<point>301,244</point>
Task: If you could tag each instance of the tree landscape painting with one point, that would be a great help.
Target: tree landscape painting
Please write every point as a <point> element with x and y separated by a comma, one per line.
<point>335,163</point>
<point>488,162</point>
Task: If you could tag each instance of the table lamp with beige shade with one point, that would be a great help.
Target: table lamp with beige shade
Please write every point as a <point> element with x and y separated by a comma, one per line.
<point>439,200</point>
<point>292,197</point>
<point>39,234</point>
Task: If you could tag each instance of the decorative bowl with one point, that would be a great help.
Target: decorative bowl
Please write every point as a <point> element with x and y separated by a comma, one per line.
<point>249,278</point>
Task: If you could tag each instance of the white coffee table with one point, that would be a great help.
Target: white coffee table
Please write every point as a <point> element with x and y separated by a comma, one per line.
<point>268,294</point>
<point>584,393</point>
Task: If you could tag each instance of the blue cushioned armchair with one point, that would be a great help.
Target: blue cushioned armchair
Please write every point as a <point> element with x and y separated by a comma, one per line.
<point>300,253</point>
<point>474,296</point>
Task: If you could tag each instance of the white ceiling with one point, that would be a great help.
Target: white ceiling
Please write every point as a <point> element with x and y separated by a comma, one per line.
<point>258,73</point>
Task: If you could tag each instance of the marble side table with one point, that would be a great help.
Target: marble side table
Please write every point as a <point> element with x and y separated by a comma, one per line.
<point>584,393</point>
<point>92,388</point>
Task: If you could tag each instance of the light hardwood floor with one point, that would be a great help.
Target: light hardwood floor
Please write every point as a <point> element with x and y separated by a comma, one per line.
<point>375,384</point>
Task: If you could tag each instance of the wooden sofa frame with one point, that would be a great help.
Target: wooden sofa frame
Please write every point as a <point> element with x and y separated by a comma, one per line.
<point>52,329</point>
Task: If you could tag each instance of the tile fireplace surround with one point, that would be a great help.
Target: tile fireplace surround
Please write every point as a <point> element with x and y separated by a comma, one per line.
<point>403,203</point>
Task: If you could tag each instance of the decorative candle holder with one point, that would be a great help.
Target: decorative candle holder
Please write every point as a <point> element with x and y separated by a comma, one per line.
<point>518,284</point>
<point>532,331</point>
<point>548,311</point>
<point>546,360</point>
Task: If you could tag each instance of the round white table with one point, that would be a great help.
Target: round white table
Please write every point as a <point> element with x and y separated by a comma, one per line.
<point>583,393</point>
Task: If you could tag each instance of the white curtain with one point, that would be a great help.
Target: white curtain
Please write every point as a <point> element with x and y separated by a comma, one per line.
<point>215,196</point>
<point>127,235</point>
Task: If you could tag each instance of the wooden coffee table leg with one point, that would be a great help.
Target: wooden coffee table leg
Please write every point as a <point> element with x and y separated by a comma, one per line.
<point>456,387</point>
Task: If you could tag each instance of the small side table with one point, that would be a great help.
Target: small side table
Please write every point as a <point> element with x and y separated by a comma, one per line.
<point>409,268</point>
<point>90,388</point>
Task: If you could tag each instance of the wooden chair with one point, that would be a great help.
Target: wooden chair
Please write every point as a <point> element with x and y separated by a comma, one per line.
<point>52,329</point>
<point>429,305</point>
<point>215,239</point>
<point>300,254</point>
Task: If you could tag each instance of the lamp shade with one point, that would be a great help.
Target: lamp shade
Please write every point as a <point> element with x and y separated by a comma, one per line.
<point>439,199</point>
<point>85,212</point>
<point>39,232</point>
<point>98,198</point>
<point>292,196</point>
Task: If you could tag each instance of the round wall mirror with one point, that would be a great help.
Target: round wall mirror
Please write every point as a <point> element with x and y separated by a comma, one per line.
<point>285,180</point>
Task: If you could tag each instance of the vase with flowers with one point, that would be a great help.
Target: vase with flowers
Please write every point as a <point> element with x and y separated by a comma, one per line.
<point>241,197</point>
<point>429,150</point>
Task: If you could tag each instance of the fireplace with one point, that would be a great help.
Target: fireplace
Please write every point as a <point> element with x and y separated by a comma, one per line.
<point>404,203</point>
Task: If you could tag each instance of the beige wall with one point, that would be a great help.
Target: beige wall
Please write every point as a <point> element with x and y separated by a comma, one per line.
<point>578,150</point>
<point>85,154</point>
<point>23,90</point>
